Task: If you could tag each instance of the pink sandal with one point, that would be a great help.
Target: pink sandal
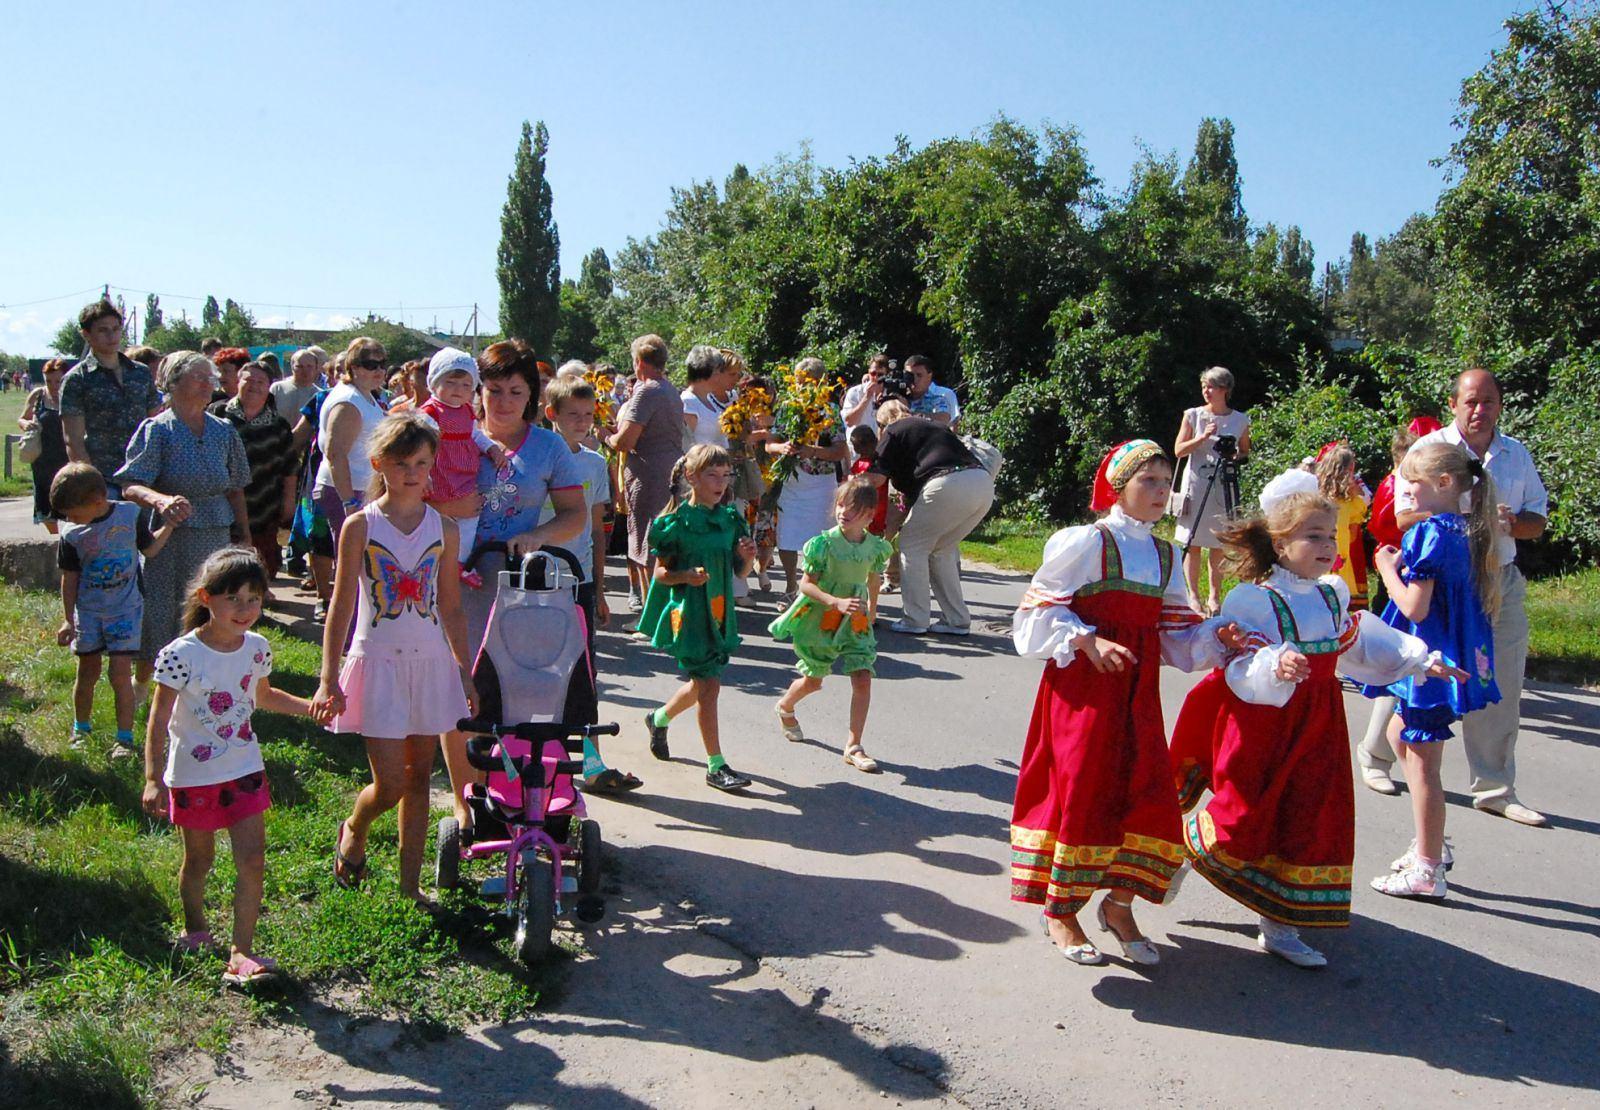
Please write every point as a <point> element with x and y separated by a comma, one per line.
<point>197,941</point>
<point>249,970</point>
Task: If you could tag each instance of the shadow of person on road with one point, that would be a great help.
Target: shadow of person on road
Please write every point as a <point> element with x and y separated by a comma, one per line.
<point>1387,992</point>
<point>1560,713</point>
<point>796,914</point>
<point>841,819</point>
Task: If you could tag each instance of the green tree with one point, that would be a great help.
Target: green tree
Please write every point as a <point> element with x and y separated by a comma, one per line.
<point>176,334</point>
<point>236,327</point>
<point>69,340</point>
<point>400,343</point>
<point>210,314</point>
<point>1211,182</point>
<point>529,259</point>
<point>152,314</point>
<point>578,333</point>
<point>595,276</point>
<point>1518,231</point>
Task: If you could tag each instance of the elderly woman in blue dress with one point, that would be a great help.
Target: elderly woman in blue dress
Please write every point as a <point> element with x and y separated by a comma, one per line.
<point>187,466</point>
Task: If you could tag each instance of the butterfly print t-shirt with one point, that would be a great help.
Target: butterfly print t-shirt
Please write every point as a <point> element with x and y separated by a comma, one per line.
<point>399,602</point>
<point>209,737</point>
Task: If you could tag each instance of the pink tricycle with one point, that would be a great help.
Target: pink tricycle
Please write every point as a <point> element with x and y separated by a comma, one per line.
<point>529,811</point>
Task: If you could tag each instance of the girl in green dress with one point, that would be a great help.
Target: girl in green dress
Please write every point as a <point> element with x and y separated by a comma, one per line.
<point>831,621</point>
<point>689,610</point>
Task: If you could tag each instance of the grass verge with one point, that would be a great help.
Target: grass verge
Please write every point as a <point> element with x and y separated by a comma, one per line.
<point>94,997</point>
<point>1563,610</point>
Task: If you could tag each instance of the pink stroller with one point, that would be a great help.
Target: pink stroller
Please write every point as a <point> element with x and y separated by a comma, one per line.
<point>533,676</point>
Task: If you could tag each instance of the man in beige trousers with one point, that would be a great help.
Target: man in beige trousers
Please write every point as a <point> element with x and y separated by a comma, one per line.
<point>948,492</point>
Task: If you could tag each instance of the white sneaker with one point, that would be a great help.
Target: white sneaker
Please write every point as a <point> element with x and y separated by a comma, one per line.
<point>905,628</point>
<point>1416,881</point>
<point>943,629</point>
<point>1410,858</point>
<point>1284,942</point>
<point>1512,811</point>
<point>1377,778</point>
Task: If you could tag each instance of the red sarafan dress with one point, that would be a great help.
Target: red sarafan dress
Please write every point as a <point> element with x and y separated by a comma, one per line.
<point>1278,833</point>
<point>1095,808</point>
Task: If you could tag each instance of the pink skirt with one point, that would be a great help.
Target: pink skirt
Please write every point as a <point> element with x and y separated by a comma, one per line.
<point>399,690</point>
<point>221,805</point>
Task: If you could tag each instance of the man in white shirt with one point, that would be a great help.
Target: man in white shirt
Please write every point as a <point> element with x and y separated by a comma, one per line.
<point>1490,734</point>
<point>860,403</point>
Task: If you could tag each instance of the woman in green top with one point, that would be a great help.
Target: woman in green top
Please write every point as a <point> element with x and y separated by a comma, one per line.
<point>689,610</point>
<point>831,621</point>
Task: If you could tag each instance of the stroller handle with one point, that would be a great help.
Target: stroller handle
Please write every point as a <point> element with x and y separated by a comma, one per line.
<point>500,547</point>
<point>537,730</point>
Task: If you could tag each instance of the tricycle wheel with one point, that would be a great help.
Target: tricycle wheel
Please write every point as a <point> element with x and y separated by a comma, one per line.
<point>447,864</point>
<point>590,857</point>
<point>536,911</point>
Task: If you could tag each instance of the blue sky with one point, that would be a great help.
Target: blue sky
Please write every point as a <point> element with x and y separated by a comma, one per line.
<point>351,156</point>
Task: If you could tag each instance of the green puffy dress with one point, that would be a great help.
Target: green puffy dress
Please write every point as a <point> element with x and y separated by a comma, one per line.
<point>822,635</point>
<point>696,625</point>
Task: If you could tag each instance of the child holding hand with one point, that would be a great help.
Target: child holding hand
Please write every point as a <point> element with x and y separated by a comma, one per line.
<point>689,612</point>
<point>1444,588</point>
<point>202,761</point>
<point>99,550</point>
<point>831,621</point>
<point>407,679</point>
<point>1267,732</point>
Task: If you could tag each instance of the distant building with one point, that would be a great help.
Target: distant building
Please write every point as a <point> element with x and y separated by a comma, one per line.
<point>1347,342</point>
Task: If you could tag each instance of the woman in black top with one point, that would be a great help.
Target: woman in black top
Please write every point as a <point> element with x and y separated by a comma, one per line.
<point>269,496</point>
<point>44,410</point>
<point>949,493</point>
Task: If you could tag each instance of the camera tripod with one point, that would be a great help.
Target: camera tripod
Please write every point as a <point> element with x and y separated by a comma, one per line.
<point>1227,469</point>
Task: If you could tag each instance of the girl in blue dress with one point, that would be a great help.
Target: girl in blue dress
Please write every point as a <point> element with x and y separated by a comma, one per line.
<point>1444,588</point>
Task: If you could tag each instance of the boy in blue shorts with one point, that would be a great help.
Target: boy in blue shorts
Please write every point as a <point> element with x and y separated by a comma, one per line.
<point>101,541</point>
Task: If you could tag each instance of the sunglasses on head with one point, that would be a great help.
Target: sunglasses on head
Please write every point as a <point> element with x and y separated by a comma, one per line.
<point>371,363</point>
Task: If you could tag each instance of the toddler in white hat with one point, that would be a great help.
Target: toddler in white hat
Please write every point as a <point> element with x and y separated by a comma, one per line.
<point>452,380</point>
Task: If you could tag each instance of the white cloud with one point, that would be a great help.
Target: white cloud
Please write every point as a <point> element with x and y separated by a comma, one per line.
<point>27,332</point>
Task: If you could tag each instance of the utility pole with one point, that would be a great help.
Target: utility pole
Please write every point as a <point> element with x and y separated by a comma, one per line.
<point>474,330</point>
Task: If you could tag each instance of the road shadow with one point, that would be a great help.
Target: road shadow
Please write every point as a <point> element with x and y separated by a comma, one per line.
<point>44,788</point>
<point>1561,713</point>
<point>992,784</point>
<point>774,912</point>
<point>840,819</point>
<point>1425,999</point>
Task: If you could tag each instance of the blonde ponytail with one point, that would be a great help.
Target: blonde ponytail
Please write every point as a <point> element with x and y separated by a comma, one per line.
<point>1430,460</point>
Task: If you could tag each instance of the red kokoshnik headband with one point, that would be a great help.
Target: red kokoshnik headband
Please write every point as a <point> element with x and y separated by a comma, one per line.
<point>1119,465</point>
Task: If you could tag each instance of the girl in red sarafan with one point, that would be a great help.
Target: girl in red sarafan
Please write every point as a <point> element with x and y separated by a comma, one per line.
<point>1267,733</point>
<point>1095,809</point>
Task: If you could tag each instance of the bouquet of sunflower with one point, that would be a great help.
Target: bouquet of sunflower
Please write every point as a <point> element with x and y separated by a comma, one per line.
<point>803,416</point>
<point>751,410</point>
<point>605,401</point>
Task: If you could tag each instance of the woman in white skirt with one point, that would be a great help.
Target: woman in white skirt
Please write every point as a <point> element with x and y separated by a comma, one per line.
<point>406,678</point>
<point>1198,524</point>
<point>805,504</point>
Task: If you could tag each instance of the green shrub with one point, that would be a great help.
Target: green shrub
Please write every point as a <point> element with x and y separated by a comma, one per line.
<point>1289,426</point>
<point>1564,438</point>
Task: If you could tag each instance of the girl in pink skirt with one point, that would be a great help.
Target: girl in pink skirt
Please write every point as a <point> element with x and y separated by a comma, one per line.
<point>406,679</point>
<point>202,764</point>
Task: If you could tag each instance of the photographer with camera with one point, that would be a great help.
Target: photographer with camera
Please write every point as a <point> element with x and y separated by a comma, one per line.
<point>1214,439</point>
<point>861,400</point>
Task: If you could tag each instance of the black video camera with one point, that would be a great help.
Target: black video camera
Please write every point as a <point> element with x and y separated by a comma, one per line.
<point>1227,447</point>
<point>896,385</point>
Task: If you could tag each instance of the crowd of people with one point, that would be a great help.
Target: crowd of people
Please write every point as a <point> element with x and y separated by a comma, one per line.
<point>182,485</point>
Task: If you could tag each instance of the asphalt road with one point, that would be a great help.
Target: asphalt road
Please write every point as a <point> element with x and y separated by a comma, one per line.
<point>884,898</point>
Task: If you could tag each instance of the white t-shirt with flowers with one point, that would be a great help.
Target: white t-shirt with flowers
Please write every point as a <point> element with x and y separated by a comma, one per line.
<point>209,737</point>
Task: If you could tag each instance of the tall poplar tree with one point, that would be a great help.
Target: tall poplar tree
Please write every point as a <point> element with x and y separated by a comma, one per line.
<point>529,259</point>
<point>152,314</point>
<point>1212,179</point>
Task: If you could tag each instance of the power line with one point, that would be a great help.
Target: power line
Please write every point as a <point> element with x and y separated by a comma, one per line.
<point>65,296</point>
<point>308,307</point>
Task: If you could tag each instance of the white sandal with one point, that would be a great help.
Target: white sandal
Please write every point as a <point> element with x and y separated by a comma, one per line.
<point>1416,881</point>
<point>791,733</point>
<point>1085,954</point>
<point>1141,950</point>
<point>857,757</point>
<point>1410,859</point>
